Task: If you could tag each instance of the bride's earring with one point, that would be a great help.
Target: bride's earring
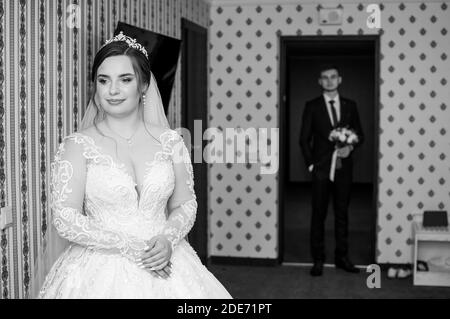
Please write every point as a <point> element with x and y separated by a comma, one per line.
<point>143,100</point>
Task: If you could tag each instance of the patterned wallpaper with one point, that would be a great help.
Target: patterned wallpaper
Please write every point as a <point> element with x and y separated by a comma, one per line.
<point>44,67</point>
<point>414,115</point>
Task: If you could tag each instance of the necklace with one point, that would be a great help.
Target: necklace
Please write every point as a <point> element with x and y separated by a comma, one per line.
<point>128,139</point>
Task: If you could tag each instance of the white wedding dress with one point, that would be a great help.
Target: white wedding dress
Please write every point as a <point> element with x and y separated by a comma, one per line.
<point>98,209</point>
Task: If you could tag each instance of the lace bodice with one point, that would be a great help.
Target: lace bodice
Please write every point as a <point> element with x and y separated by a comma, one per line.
<point>96,204</point>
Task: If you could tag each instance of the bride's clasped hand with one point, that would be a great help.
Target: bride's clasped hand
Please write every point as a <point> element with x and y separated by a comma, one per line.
<point>156,258</point>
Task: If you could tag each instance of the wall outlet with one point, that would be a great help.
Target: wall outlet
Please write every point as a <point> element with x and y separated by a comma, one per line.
<point>6,219</point>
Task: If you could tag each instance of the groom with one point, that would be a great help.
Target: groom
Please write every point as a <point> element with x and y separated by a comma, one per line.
<point>320,117</point>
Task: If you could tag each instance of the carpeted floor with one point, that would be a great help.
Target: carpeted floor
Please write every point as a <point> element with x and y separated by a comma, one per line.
<point>294,282</point>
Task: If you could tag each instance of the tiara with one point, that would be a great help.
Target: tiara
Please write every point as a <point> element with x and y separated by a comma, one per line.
<point>130,41</point>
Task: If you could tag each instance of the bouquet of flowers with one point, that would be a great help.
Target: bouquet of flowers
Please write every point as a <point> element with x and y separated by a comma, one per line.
<point>342,136</point>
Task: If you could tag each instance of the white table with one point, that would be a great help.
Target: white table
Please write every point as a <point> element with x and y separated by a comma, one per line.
<point>431,245</point>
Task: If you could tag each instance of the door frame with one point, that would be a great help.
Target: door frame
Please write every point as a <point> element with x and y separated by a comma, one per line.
<point>284,43</point>
<point>200,229</point>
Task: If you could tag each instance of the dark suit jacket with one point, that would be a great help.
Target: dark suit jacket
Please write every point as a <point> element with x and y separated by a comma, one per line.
<point>316,127</point>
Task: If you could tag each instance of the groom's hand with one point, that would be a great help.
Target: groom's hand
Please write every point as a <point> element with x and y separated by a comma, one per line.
<point>344,152</point>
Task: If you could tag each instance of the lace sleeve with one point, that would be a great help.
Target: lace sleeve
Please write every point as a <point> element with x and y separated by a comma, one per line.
<point>182,204</point>
<point>68,173</point>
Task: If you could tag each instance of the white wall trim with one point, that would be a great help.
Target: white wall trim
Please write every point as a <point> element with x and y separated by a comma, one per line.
<point>316,2</point>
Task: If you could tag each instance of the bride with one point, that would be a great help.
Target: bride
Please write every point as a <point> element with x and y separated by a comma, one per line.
<point>122,195</point>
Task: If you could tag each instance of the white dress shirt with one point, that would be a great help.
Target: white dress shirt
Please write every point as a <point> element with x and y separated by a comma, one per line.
<point>337,107</point>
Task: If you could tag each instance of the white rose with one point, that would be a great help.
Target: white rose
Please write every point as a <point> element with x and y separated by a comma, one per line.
<point>333,135</point>
<point>352,139</point>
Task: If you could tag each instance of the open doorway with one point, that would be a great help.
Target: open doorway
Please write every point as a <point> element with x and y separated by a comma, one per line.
<point>357,58</point>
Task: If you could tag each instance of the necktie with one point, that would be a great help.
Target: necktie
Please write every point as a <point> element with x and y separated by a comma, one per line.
<point>333,113</point>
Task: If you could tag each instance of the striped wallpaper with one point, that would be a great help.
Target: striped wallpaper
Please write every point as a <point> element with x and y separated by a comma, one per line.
<point>45,62</point>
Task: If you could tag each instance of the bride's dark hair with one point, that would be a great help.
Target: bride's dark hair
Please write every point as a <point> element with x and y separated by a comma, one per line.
<point>141,67</point>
